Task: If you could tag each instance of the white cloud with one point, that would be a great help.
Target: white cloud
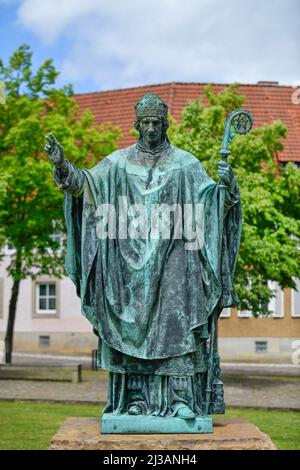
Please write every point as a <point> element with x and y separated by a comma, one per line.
<point>115,43</point>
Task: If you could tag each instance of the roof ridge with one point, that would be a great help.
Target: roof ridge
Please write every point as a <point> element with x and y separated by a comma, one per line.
<point>174,83</point>
<point>117,90</point>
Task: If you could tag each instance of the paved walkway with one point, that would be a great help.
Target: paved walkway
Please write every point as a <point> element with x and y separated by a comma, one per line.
<point>258,392</point>
<point>91,392</point>
<point>262,392</point>
<point>228,368</point>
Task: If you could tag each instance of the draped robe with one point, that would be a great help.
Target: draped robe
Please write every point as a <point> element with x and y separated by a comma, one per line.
<point>150,301</point>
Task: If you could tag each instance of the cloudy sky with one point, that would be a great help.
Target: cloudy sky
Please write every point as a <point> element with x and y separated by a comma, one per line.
<point>107,44</point>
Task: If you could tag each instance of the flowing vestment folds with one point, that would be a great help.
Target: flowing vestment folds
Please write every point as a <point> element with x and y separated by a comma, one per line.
<point>150,300</point>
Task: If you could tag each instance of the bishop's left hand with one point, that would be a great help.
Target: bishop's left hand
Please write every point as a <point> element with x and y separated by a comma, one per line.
<point>225,172</point>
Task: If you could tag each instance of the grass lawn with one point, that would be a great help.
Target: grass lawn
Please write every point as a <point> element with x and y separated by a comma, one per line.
<point>25,425</point>
<point>282,426</point>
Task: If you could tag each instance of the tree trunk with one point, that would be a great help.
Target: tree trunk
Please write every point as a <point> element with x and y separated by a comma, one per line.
<point>11,318</point>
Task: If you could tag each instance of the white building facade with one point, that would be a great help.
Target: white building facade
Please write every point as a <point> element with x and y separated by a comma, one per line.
<point>48,316</point>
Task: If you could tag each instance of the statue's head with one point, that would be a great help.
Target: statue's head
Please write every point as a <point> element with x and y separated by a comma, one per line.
<point>151,119</point>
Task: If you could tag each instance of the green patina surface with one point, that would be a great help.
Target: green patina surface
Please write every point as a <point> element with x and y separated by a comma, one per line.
<point>126,424</point>
<point>153,301</point>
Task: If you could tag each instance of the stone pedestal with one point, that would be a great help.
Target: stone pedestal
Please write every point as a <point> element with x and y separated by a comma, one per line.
<point>228,434</point>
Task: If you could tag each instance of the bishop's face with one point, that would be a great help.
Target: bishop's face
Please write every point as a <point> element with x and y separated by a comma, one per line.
<point>151,129</point>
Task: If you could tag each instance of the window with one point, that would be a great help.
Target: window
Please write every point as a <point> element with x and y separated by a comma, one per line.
<point>225,313</point>
<point>244,313</point>
<point>296,301</point>
<point>57,237</point>
<point>276,304</point>
<point>261,346</point>
<point>44,340</point>
<point>9,249</point>
<point>46,298</point>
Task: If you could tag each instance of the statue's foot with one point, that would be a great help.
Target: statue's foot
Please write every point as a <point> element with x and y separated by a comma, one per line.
<point>184,412</point>
<point>134,410</point>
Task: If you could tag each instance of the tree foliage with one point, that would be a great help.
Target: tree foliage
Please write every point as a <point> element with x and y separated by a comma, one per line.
<point>30,204</point>
<point>269,192</point>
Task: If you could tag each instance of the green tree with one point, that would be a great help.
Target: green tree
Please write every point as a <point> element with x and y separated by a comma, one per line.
<point>269,192</point>
<point>31,205</point>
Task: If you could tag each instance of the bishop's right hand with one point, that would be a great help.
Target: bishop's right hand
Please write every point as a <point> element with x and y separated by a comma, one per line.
<point>54,151</point>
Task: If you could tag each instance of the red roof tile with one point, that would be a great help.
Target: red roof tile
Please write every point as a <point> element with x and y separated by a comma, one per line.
<point>267,103</point>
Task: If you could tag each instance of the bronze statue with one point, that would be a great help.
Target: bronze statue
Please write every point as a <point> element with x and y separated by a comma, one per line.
<point>152,243</point>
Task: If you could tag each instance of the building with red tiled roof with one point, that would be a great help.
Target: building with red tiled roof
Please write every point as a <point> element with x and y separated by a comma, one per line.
<point>268,101</point>
<point>48,313</point>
